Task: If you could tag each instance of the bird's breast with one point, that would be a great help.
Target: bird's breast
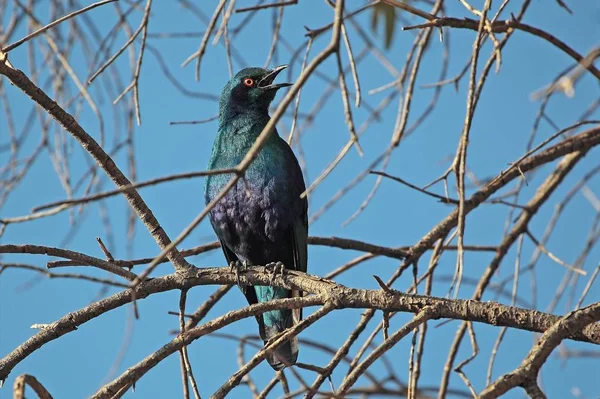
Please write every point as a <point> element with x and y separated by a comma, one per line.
<point>254,210</point>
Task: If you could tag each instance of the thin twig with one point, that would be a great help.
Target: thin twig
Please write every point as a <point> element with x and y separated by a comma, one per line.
<point>41,30</point>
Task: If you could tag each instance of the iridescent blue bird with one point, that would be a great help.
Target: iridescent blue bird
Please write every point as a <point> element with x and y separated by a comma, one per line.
<point>262,220</point>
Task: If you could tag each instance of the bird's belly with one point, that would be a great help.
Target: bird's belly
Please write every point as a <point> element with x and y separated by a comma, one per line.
<point>250,223</point>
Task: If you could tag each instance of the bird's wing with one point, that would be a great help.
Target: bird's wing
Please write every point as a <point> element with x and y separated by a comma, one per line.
<point>300,242</point>
<point>299,228</point>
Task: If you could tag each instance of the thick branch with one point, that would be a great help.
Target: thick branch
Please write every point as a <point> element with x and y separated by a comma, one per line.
<point>530,367</point>
<point>469,310</point>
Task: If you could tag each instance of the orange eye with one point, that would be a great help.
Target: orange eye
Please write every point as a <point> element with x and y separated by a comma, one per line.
<point>249,82</point>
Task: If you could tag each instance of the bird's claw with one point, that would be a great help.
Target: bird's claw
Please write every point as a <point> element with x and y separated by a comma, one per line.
<point>277,267</point>
<point>237,266</point>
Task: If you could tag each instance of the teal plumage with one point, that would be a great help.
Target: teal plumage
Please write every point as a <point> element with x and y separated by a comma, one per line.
<point>262,219</point>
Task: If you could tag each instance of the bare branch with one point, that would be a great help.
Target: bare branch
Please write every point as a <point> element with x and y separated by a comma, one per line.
<point>526,374</point>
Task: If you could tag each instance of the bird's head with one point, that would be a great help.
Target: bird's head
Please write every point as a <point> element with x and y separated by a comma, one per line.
<point>250,90</point>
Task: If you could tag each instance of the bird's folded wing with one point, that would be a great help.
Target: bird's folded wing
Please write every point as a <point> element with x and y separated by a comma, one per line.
<point>299,238</point>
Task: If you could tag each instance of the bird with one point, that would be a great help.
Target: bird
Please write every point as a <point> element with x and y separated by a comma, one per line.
<point>262,220</point>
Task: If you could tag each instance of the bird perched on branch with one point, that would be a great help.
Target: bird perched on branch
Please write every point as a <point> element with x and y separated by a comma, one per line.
<point>262,220</point>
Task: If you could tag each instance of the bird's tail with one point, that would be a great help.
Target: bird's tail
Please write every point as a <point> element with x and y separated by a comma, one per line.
<point>287,353</point>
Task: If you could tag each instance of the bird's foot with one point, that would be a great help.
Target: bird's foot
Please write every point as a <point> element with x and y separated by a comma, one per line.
<point>273,268</point>
<point>237,267</point>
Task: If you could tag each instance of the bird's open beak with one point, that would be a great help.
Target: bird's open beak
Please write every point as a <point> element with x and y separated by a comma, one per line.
<point>267,81</point>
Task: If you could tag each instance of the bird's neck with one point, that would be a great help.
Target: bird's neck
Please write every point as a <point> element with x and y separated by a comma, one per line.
<point>234,139</point>
<point>230,112</point>
<point>243,122</point>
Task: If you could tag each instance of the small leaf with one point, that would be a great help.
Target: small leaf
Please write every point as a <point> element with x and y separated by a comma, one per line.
<point>374,18</point>
<point>388,14</point>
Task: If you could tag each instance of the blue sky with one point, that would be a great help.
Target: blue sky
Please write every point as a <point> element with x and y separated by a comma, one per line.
<point>78,363</point>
